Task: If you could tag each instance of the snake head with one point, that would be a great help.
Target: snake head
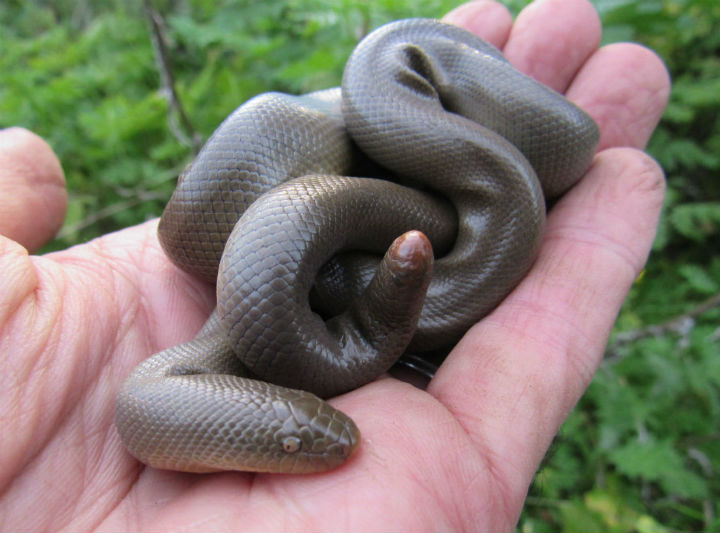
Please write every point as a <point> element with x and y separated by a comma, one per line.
<point>311,436</point>
<point>210,422</point>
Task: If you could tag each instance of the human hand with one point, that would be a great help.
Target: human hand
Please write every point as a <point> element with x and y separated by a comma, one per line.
<point>459,455</point>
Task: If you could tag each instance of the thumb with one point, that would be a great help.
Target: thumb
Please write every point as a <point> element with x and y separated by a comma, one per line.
<point>33,198</point>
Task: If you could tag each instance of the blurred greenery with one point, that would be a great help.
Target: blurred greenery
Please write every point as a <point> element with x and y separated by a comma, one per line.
<point>641,452</point>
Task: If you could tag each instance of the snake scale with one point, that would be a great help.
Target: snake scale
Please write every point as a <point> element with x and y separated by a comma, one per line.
<point>315,216</point>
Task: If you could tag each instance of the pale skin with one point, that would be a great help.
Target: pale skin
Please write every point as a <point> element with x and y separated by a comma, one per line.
<point>460,455</point>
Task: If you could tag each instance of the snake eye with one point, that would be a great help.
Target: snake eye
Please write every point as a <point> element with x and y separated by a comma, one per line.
<point>291,444</point>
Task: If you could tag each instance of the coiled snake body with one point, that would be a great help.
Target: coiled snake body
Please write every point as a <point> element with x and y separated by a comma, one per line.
<point>269,211</point>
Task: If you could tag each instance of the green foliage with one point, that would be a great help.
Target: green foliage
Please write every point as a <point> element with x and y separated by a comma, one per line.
<point>687,143</point>
<point>83,75</point>
<point>641,452</point>
<point>647,435</point>
<point>93,95</point>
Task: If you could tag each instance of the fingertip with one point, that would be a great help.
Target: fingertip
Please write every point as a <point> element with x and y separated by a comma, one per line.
<point>551,39</point>
<point>34,156</point>
<point>629,104</point>
<point>488,20</point>
<point>630,186</point>
<point>33,197</point>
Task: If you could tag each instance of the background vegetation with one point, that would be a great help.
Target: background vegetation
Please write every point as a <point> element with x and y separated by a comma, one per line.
<point>642,450</point>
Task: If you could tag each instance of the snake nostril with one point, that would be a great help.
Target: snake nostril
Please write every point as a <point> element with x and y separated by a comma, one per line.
<point>342,451</point>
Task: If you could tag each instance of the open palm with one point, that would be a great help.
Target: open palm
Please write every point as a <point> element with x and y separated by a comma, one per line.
<point>457,456</point>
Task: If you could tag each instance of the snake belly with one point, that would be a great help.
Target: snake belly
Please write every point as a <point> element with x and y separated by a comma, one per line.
<point>434,152</point>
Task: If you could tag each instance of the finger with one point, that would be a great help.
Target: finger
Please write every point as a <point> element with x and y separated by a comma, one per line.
<point>625,88</point>
<point>515,376</point>
<point>486,19</point>
<point>33,198</point>
<point>551,39</point>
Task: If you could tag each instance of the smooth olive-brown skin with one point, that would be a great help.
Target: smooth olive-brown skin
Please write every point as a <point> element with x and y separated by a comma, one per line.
<point>433,138</point>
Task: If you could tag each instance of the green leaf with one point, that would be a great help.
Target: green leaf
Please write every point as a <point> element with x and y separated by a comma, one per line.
<point>699,279</point>
<point>618,515</point>
<point>576,516</point>
<point>688,153</point>
<point>697,93</point>
<point>698,221</point>
<point>658,461</point>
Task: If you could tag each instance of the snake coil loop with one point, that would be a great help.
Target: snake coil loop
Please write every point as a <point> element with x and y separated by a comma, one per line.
<point>467,149</point>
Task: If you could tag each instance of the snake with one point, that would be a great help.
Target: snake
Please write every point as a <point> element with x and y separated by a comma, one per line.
<point>343,228</point>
